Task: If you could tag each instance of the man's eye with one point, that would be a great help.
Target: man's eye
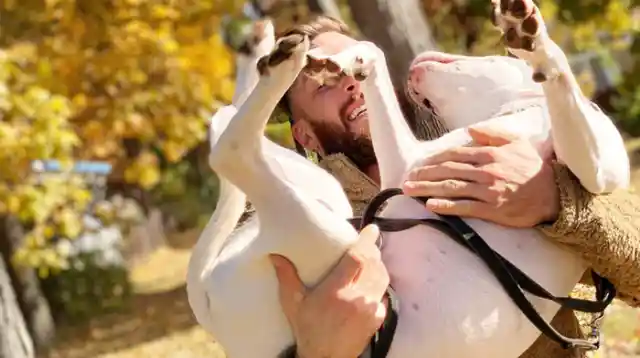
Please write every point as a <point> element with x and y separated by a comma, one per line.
<point>322,87</point>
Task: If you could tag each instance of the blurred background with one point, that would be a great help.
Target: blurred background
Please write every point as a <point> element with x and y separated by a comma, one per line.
<point>104,185</point>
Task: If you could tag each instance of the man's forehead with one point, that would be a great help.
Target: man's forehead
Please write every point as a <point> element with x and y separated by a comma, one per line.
<point>332,42</point>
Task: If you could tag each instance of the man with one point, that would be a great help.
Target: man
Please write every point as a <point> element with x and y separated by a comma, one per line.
<point>527,191</point>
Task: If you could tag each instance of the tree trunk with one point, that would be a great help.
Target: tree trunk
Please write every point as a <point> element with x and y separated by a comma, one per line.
<point>398,27</point>
<point>326,7</point>
<point>15,341</point>
<point>31,299</point>
<point>401,30</point>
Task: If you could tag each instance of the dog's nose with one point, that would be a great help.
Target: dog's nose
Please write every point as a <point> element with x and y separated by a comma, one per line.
<point>415,75</point>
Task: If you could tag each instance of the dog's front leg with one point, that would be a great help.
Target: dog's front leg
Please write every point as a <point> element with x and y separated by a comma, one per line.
<point>258,44</point>
<point>584,138</point>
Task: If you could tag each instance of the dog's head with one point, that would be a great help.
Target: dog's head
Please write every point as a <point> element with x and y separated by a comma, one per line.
<point>463,90</point>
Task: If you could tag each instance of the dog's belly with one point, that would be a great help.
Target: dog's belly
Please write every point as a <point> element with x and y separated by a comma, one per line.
<point>451,304</point>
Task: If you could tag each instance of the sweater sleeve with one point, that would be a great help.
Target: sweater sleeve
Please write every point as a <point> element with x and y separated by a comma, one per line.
<point>604,229</point>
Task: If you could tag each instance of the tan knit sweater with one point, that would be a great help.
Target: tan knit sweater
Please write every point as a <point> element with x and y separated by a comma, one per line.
<point>604,229</point>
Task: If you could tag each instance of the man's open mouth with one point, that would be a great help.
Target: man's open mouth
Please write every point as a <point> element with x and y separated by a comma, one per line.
<point>359,111</point>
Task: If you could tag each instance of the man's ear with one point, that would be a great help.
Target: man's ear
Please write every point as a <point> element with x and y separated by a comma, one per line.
<point>303,133</point>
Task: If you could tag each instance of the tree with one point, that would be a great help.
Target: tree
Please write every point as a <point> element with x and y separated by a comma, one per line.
<point>31,300</point>
<point>15,341</point>
<point>397,28</point>
<point>131,83</point>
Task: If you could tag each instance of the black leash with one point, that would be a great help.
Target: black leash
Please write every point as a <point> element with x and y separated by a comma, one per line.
<point>512,279</point>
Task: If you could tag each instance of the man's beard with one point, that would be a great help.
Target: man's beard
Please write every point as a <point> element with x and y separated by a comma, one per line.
<point>357,147</point>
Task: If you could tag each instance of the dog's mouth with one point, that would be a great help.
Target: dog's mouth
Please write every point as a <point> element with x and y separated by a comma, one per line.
<point>424,103</point>
<point>436,57</point>
<point>427,104</point>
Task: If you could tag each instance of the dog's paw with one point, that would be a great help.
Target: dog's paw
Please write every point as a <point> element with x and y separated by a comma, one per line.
<point>252,39</point>
<point>520,22</point>
<point>261,40</point>
<point>357,61</point>
<point>287,59</point>
<point>524,31</point>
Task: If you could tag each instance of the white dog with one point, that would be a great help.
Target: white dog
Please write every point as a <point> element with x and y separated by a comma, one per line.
<point>451,304</point>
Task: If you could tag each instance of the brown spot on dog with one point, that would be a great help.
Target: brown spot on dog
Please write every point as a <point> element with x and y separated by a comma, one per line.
<point>530,25</point>
<point>511,38</point>
<point>539,77</point>
<point>280,54</point>
<point>263,65</point>
<point>519,9</point>
<point>504,6</point>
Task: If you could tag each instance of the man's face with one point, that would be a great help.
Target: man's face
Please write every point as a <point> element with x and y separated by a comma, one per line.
<point>331,118</point>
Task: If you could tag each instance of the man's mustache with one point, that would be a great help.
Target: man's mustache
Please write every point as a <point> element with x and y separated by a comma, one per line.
<point>344,110</point>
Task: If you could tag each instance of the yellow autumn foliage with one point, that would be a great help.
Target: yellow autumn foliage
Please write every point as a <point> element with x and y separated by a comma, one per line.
<point>128,82</point>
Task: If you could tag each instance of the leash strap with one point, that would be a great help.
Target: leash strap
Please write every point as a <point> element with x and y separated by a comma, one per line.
<point>512,279</point>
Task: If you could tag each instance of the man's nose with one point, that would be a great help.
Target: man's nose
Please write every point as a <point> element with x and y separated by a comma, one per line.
<point>350,85</point>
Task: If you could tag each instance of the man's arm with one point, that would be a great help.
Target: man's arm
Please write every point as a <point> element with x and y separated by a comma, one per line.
<point>352,292</point>
<point>603,229</point>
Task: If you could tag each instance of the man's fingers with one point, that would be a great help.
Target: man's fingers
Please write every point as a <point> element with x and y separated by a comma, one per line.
<point>469,155</point>
<point>465,208</point>
<point>355,259</point>
<point>491,136</point>
<point>448,189</point>
<point>450,170</point>
<point>368,235</point>
<point>372,279</point>
<point>291,288</point>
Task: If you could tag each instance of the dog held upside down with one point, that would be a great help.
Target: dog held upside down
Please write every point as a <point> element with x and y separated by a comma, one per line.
<point>451,304</point>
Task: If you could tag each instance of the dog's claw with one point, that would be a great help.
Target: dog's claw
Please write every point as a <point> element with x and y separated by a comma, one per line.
<point>354,62</point>
<point>539,77</point>
<point>283,50</point>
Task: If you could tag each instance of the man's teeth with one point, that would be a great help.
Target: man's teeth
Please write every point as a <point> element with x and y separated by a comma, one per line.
<point>356,112</point>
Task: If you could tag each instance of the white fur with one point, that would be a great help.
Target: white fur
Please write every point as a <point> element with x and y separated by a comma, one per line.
<point>451,305</point>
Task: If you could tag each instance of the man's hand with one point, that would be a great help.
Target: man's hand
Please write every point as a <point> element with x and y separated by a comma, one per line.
<point>339,316</point>
<point>500,179</point>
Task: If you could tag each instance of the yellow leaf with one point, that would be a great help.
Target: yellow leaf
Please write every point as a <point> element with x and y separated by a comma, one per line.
<point>149,177</point>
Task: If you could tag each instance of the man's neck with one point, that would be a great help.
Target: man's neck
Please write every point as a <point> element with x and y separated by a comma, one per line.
<point>373,172</point>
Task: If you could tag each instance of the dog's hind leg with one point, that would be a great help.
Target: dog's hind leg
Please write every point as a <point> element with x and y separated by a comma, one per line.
<point>584,138</point>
